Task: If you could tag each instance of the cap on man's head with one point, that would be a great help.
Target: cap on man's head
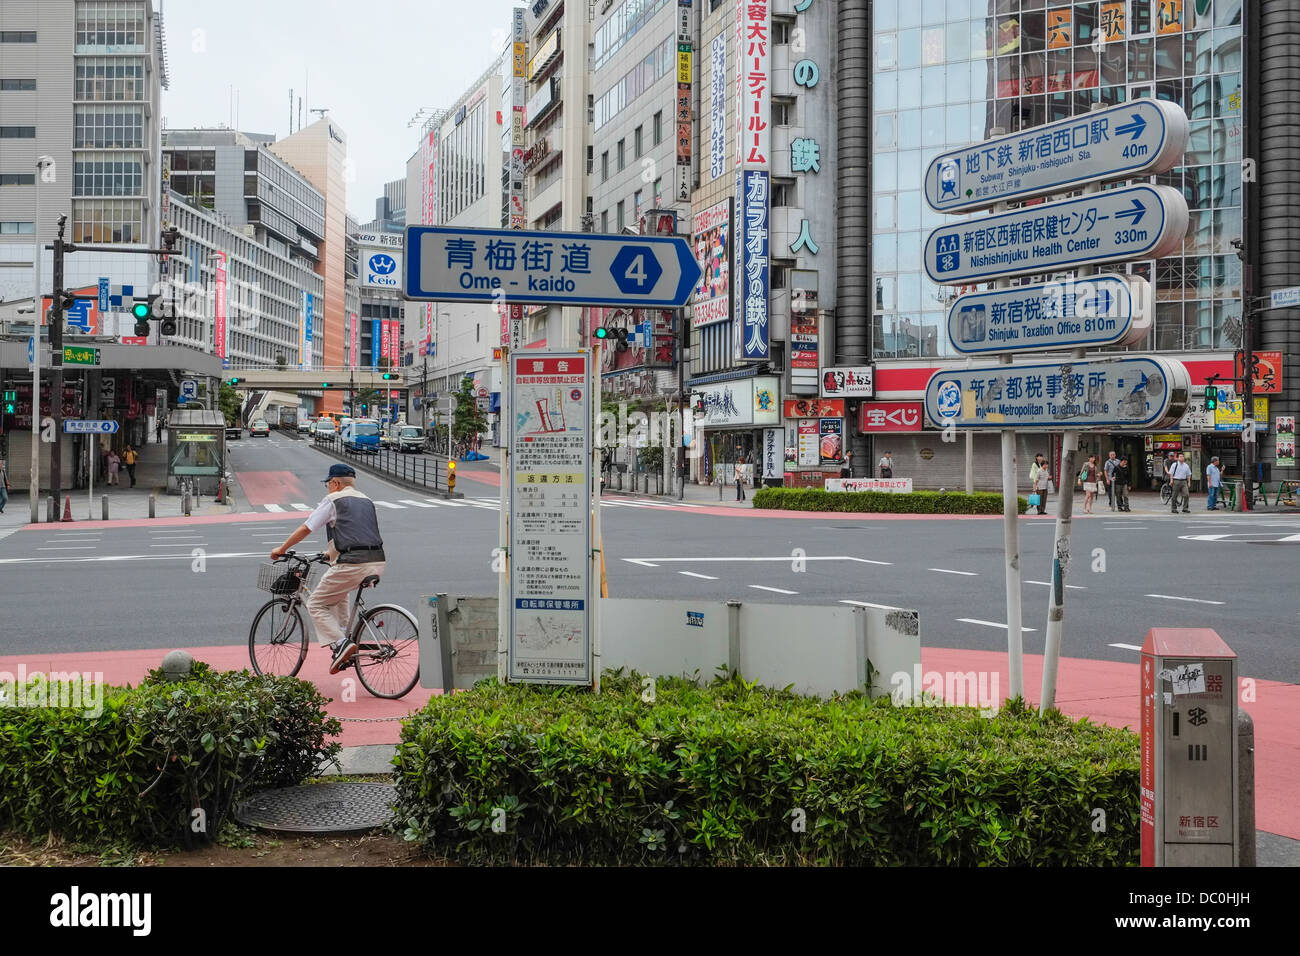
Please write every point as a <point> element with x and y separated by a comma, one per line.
<point>340,471</point>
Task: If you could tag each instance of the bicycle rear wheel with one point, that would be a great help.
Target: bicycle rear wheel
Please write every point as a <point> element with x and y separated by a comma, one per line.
<point>388,650</point>
<point>277,641</point>
<point>1166,493</point>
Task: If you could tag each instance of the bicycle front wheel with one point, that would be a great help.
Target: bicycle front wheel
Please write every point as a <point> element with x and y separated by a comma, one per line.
<point>277,641</point>
<point>1166,493</point>
<point>388,650</point>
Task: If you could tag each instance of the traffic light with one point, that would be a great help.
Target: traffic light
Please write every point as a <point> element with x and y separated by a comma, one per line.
<point>451,476</point>
<point>1211,398</point>
<point>144,311</point>
<point>698,407</point>
<point>10,400</point>
<point>363,408</point>
<point>618,335</point>
<point>324,384</point>
<point>234,381</point>
<point>387,376</point>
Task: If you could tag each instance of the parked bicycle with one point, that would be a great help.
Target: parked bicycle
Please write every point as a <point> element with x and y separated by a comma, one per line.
<point>1166,491</point>
<point>387,636</point>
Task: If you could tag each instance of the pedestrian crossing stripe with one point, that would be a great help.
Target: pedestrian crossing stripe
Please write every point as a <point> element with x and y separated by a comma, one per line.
<point>490,504</point>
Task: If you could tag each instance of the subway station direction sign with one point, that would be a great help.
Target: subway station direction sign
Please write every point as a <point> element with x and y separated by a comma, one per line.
<point>1133,139</point>
<point>1138,222</point>
<point>445,264</point>
<point>1074,313</point>
<point>1140,393</point>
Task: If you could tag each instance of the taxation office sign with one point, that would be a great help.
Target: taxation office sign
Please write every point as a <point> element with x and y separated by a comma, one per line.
<point>1133,139</point>
<point>550,519</point>
<point>1138,222</point>
<point>1139,393</point>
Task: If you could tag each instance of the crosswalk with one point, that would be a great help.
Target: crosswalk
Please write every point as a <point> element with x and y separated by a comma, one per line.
<point>489,504</point>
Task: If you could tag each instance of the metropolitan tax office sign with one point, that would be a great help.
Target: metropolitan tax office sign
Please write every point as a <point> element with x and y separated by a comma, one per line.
<point>1142,393</point>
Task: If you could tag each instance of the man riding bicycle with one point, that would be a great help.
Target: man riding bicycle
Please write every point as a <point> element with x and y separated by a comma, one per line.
<point>356,550</point>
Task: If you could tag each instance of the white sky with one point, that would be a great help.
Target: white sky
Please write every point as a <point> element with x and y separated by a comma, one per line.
<point>372,63</point>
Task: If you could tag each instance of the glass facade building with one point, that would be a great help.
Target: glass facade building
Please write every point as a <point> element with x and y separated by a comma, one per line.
<point>951,72</point>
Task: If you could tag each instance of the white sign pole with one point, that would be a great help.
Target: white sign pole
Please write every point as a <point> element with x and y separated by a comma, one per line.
<point>598,552</point>
<point>503,519</point>
<point>91,442</point>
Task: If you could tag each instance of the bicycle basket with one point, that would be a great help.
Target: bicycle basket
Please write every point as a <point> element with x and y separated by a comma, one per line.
<point>282,579</point>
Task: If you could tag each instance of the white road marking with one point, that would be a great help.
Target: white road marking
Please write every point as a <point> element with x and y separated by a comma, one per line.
<point>389,504</point>
<point>784,557</point>
<point>130,557</point>
<point>641,561</point>
<point>975,620</point>
<point>416,504</point>
<point>71,547</point>
<point>763,587</point>
<point>1048,584</point>
<point>275,508</point>
<point>1124,527</point>
<point>883,607</point>
<point>969,574</point>
<point>56,540</point>
<point>180,544</point>
<point>692,574</point>
<point>1174,597</point>
<point>299,506</point>
<point>1127,647</point>
<point>449,503</point>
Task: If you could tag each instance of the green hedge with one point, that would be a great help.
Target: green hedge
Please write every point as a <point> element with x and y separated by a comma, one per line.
<point>885,502</point>
<point>724,774</point>
<point>137,771</point>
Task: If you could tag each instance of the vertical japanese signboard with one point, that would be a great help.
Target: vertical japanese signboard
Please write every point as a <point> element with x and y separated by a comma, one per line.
<point>375,337</point>
<point>352,341</point>
<point>713,241</point>
<point>550,519</point>
<point>718,106</point>
<point>753,148</point>
<point>219,314</point>
<point>683,122</point>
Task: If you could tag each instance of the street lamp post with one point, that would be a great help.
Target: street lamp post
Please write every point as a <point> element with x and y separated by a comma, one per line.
<point>38,318</point>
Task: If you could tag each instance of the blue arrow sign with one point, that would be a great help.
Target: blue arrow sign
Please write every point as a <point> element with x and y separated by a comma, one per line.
<point>88,427</point>
<point>445,264</point>
<point>1062,235</point>
<point>1141,392</point>
<point>1132,139</point>
<point>103,294</point>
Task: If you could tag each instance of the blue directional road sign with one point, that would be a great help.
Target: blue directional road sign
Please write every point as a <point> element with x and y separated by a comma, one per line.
<point>88,427</point>
<point>1075,313</point>
<point>1143,392</point>
<point>189,388</point>
<point>1139,222</point>
<point>1133,139</point>
<point>31,352</point>
<point>567,268</point>
<point>103,294</point>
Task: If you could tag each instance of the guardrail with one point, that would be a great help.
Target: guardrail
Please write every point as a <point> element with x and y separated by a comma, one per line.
<point>427,474</point>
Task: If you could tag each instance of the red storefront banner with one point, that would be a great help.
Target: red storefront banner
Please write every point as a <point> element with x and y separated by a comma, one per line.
<point>1268,372</point>
<point>813,408</point>
<point>394,343</point>
<point>890,417</point>
<point>219,321</point>
<point>385,343</point>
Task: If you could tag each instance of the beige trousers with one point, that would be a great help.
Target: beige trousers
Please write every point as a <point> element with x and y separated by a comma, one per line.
<point>329,605</point>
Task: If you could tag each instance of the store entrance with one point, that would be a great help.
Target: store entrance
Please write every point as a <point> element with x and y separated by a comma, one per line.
<point>726,450</point>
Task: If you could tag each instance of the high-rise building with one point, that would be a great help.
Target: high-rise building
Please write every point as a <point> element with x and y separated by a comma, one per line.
<point>319,152</point>
<point>81,85</point>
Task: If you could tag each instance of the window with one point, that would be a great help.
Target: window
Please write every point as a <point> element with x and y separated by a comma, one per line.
<point>637,201</point>
<point>783,194</point>
<point>604,166</point>
<point>108,126</point>
<point>619,220</point>
<point>658,128</point>
<point>106,220</point>
<point>781,29</point>
<point>17,179</point>
<point>120,26</point>
<point>636,143</point>
<point>16,84</point>
<point>604,221</point>
<point>16,229</point>
<point>108,174</point>
<point>109,78</point>
<point>621,163</point>
<point>17,132</point>
<point>659,193</point>
<point>660,62</point>
<point>17,36</point>
<point>782,113</point>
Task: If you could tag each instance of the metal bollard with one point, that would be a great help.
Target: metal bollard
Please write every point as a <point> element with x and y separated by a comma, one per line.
<point>1245,789</point>
<point>52,512</point>
<point>104,503</point>
<point>152,506</point>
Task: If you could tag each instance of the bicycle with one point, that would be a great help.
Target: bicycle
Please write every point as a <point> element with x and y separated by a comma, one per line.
<point>1166,491</point>
<point>387,636</point>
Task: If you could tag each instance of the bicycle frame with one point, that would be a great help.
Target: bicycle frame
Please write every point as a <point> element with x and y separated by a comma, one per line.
<point>355,620</point>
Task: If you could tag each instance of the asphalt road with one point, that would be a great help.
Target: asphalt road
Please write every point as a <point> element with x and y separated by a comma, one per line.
<point>141,587</point>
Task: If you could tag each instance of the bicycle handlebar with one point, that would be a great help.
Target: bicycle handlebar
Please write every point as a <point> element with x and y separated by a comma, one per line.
<point>320,557</point>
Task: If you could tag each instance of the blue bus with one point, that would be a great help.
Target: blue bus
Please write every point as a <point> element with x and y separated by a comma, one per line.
<point>361,434</point>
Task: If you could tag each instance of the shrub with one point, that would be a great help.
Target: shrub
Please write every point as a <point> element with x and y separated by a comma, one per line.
<point>157,753</point>
<point>884,502</point>
<point>737,774</point>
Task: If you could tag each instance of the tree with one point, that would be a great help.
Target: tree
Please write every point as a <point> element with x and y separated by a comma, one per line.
<point>469,420</point>
<point>281,362</point>
<point>230,404</point>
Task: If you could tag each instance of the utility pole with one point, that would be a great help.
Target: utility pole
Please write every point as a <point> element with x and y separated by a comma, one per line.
<point>56,369</point>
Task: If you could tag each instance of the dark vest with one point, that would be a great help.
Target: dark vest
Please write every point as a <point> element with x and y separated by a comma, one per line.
<point>355,531</point>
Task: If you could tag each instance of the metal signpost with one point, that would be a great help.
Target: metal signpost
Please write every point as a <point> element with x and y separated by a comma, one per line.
<point>1139,222</point>
<point>565,268</point>
<point>1133,139</point>
<point>1134,222</point>
<point>550,518</point>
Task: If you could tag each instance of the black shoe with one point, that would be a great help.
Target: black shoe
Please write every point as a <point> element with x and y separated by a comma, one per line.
<point>344,651</point>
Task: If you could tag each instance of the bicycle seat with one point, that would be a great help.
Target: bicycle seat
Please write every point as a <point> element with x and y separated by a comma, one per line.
<point>369,581</point>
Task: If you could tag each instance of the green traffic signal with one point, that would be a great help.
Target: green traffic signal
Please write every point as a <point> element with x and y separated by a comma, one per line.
<point>602,333</point>
<point>1211,398</point>
<point>141,311</point>
<point>387,376</point>
<point>234,381</point>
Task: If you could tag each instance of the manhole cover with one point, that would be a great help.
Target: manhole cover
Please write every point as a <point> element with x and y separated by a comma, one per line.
<point>320,808</point>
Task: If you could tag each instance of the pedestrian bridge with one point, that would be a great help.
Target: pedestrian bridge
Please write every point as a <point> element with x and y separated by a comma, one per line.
<point>317,379</point>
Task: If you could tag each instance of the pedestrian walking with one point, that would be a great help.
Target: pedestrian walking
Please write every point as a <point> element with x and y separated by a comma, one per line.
<point>1180,473</point>
<point>886,466</point>
<point>1038,475</point>
<point>129,457</point>
<point>1121,479</point>
<point>1090,478</point>
<point>846,467</point>
<point>112,461</point>
<point>740,480</point>
<point>1112,462</point>
<point>1213,484</point>
<point>4,486</point>
<point>158,429</point>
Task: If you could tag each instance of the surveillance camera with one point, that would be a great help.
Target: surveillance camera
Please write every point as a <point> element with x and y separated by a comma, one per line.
<point>1235,243</point>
